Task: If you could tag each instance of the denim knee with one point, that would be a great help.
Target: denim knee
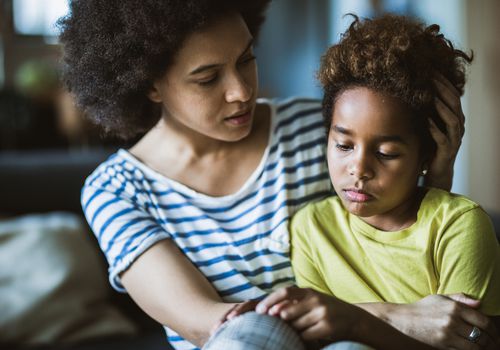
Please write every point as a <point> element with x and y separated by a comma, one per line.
<point>253,331</point>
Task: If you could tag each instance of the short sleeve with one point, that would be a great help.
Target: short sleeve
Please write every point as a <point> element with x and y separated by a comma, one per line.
<point>123,228</point>
<point>468,260</point>
<point>304,267</point>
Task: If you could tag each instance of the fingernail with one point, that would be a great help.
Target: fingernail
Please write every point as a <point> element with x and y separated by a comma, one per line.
<point>274,310</point>
<point>260,309</point>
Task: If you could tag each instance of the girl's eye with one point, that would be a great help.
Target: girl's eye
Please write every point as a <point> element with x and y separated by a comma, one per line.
<point>343,148</point>
<point>386,156</point>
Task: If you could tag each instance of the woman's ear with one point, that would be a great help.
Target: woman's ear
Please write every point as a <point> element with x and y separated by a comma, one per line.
<point>154,94</point>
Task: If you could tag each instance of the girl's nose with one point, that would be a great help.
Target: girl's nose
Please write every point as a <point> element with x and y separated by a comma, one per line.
<point>360,166</point>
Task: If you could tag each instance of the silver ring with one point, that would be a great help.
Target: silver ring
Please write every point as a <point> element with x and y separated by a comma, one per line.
<point>474,335</point>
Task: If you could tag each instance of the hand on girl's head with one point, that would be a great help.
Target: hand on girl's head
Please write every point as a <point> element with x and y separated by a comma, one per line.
<point>448,143</point>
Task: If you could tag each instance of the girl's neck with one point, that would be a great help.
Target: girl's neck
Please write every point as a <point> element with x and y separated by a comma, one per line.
<point>401,217</point>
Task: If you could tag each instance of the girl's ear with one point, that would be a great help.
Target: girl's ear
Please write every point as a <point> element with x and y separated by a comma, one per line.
<point>154,94</point>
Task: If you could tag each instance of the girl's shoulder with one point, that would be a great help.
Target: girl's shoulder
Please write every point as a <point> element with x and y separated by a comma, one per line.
<point>447,203</point>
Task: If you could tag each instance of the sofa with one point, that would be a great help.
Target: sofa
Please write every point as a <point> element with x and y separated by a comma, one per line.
<point>54,292</point>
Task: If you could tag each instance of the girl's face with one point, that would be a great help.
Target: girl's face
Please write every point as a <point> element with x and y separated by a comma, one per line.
<point>210,88</point>
<point>373,157</point>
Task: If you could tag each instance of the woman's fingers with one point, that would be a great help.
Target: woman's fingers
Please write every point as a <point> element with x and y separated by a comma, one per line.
<point>277,297</point>
<point>464,299</point>
<point>477,319</point>
<point>463,331</point>
<point>223,319</point>
<point>276,309</point>
<point>454,128</point>
<point>449,94</point>
<point>241,308</point>
<point>438,136</point>
<point>314,331</point>
<point>449,107</point>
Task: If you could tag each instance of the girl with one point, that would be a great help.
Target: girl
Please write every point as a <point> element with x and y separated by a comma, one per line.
<point>384,238</point>
<point>193,218</point>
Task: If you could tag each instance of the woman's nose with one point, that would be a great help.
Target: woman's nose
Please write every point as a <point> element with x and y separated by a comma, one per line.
<point>238,90</point>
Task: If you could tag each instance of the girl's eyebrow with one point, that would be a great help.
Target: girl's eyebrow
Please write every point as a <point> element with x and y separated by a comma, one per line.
<point>341,130</point>
<point>211,66</point>
<point>381,138</point>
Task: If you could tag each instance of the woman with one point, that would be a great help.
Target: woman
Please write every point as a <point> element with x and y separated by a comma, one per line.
<point>193,218</point>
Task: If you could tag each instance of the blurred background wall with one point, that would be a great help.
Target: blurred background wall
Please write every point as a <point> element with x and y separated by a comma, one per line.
<point>294,36</point>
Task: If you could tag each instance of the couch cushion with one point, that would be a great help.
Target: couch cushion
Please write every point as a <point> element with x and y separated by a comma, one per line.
<point>43,181</point>
<point>53,285</point>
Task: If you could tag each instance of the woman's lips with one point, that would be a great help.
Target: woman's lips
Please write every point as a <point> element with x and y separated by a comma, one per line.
<point>357,196</point>
<point>241,119</point>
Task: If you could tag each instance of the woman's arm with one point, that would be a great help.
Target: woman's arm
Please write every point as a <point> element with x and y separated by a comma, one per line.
<point>467,257</point>
<point>442,321</point>
<point>166,285</point>
<point>318,316</point>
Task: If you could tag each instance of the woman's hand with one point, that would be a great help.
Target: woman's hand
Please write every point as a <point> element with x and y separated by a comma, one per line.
<point>444,322</point>
<point>236,310</point>
<point>313,314</point>
<point>449,108</point>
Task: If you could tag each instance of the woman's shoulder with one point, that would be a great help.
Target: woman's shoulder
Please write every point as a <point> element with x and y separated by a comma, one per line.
<point>290,111</point>
<point>297,122</point>
<point>115,171</point>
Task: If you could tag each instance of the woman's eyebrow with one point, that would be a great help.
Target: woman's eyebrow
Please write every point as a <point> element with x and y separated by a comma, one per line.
<point>211,66</point>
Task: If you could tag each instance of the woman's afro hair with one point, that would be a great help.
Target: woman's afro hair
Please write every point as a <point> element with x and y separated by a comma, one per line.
<point>115,49</point>
<point>397,56</point>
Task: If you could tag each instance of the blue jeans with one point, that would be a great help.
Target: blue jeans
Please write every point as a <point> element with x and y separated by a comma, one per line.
<point>253,331</point>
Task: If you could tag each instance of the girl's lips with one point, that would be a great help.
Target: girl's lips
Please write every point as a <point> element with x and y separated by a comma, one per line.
<point>357,196</point>
<point>241,119</point>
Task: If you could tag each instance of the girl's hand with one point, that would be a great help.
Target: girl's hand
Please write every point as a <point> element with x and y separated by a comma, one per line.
<point>449,108</point>
<point>445,322</point>
<point>236,310</point>
<point>313,314</point>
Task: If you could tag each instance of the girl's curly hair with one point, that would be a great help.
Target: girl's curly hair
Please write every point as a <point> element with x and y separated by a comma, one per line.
<point>115,49</point>
<point>397,56</point>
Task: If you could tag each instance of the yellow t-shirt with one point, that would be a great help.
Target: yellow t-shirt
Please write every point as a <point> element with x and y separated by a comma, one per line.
<point>451,248</point>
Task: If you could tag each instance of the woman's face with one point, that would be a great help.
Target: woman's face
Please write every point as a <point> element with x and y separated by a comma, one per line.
<point>211,87</point>
<point>373,156</point>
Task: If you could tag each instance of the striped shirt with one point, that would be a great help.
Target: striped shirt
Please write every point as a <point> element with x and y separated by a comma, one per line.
<point>240,242</point>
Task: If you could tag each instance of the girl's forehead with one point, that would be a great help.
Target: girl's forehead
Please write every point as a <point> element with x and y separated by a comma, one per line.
<point>364,112</point>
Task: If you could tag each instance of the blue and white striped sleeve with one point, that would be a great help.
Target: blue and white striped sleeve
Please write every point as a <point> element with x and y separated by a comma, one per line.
<point>123,228</point>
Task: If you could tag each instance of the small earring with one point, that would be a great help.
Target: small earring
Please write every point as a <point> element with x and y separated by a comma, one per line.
<point>424,172</point>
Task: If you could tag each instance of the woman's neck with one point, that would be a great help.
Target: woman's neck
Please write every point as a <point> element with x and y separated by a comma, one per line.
<point>216,170</point>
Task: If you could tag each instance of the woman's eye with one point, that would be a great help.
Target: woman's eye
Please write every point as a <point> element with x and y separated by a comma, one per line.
<point>342,147</point>
<point>248,59</point>
<point>208,81</point>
